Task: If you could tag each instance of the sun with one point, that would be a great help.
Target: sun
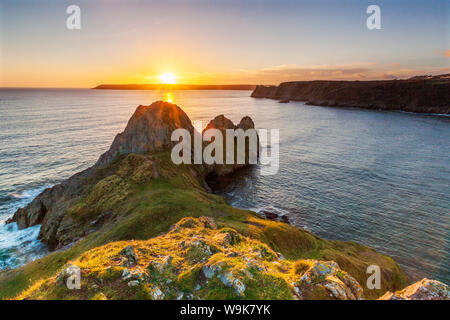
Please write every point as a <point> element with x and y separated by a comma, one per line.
<point>167,78</point>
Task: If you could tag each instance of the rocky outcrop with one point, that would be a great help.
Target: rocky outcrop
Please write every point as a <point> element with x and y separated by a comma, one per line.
<point>423,95</point>
<point>324,280</point>
<point>273,215</point>
<point>122,208</point>
<point>222,123</point>
<point>422,290</point>
<point>86,201</point>
<point>149,129</point>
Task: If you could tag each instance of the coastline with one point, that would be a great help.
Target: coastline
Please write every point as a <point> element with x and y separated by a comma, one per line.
<point>74,247</point>
<point>430,96</point>
<point>92,219</point>
<point>247,87</point>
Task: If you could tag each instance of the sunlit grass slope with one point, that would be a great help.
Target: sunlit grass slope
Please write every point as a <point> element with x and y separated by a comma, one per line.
<point>141,209</point>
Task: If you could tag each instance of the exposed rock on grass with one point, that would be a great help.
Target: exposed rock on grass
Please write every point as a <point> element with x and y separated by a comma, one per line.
<point>325,279</point>
<point>66,273</point>
<point>130,256</point>
<point>140,217</point>
<point>424,289</point>
<point>164,270</point>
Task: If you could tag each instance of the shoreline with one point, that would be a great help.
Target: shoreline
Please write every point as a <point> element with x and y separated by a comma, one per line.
<point>92,209</point>
<point>430,96</point>
<point>437,115</point>
<point>81,241</point>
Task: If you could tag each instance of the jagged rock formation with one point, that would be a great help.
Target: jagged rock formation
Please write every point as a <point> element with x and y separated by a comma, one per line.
<point>113,221</point>
<point>424,289</point>
<point>424,95</point>
<point>222,123</point>
<point>97,192</point>
<point>149,129</point>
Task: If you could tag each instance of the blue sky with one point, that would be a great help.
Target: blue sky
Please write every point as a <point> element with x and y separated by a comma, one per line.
<point>211,41</point>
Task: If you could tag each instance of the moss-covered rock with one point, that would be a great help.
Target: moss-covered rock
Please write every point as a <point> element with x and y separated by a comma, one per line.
<point>163,269</point>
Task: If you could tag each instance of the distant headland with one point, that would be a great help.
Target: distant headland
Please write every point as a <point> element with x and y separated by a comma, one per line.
<point>176,87</point>
<point>422,94</point>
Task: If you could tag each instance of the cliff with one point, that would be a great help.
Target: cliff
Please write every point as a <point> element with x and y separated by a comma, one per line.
<point>67,210</point>
<point>419,94</point>
<point>140,227</point>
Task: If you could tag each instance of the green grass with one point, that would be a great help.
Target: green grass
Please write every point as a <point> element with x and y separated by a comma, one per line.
<point>144,210</point>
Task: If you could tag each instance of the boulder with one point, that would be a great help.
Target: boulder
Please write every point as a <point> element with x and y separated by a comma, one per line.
<point>68,272</point>
<point>325,280</point>
<point>424,289</point>
<point>272,215</point>
<point>130,256</point>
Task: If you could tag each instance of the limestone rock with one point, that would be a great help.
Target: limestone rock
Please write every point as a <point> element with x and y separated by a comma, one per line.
<point>424,289</point>
<point>428,95</point>
<point>156,293</point>
<point>222,123</point>
<point>86,201</point>
<point>323,280</point>
<point>210,271</point>
<point>68,271</point>
<point>230,281</point>
<point>150,128</point>
<point>133,283</point>
<point>132,275</point>
<point>130,256</point>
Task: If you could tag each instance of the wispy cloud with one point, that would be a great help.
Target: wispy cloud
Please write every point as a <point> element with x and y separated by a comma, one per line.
<point>444,53</point>
<point>354,71</point>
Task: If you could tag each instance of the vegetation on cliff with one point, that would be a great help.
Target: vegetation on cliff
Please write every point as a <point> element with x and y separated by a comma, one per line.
<point>132,201</point>
<point>197,259</point>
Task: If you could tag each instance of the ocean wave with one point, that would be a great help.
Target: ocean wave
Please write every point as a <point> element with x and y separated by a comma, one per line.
<point>18,247</point>
<point>18,199</point>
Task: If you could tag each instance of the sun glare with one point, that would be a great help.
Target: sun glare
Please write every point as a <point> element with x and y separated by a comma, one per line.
<point>167,78</point>
<point>168,97</point>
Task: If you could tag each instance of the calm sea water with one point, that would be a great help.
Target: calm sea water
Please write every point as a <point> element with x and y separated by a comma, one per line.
<point>378,178</point>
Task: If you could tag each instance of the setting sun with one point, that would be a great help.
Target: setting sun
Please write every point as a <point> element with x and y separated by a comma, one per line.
<point>167,78</point>
<point>168,97</point>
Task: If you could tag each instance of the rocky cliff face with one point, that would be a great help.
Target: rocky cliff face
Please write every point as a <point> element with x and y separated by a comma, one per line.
<point>149,129</point>
<point>222,123</point>
<point>429,95</point>
<point>96,191</point>
<point>113,221</point>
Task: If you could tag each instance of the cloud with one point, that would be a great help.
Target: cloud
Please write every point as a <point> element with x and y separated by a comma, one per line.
<point>444,53</point>
<point>354,71</point>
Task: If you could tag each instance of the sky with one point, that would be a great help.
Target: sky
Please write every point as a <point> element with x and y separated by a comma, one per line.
<point>219,41</point>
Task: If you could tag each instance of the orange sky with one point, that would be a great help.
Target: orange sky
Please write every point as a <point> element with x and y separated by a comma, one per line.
<point>220,42</point>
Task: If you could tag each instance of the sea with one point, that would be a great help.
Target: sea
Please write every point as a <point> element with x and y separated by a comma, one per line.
<point>378,178</point>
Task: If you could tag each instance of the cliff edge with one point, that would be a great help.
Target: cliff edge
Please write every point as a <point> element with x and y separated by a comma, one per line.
<point>418,94</point>
<point>139,226</point>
